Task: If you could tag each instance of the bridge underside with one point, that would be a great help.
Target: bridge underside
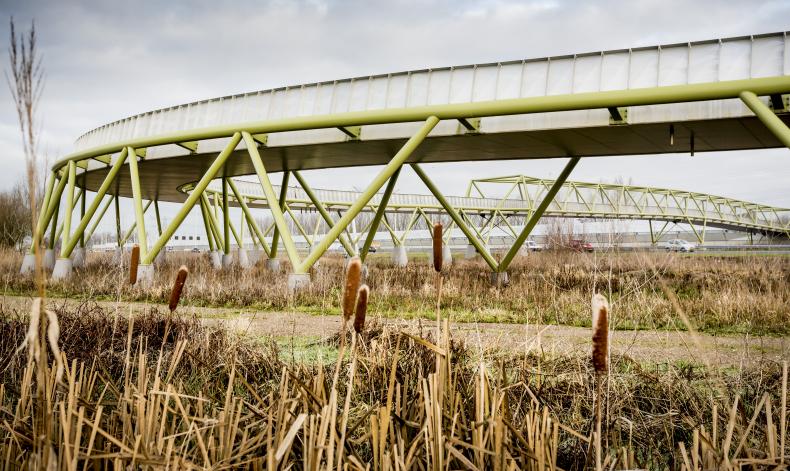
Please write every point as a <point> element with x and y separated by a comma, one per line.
<point>161,178</point>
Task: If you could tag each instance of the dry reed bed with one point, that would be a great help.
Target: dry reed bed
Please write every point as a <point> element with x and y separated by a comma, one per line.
<point>737,294</point>
<point>159,389</point>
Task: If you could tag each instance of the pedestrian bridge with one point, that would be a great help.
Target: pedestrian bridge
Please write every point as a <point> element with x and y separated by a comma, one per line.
<point>715,95</point>
<point>520,196</point>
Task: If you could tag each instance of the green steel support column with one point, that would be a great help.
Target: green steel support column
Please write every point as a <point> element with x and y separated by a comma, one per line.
<point>448,232</point>
<point>374,226</point>
<point>225,217</point>
<point>455,216</point>
<point>427,219</point>
<point>700,239</point>
<point>281,200</point>
<point>347,233</point>
<point>69,208</point>
<point>323,212</point>
<point>137,197</point>
<point>134,224</point>
<point>505,262</point>
<point>298,225</point>
<point>269,229</point>
<point>385,174</point>
<point>212,221</point>
<point>53,230</point>
<point>54,207</point>
<point>365,230</point>
<point>768,117</point>
<point>98,219</point>
<point>246,209</point>
<point>215,205</point>
<point>389,228</point>
<point>503,218</point>
<point>200,187</point>
<point>315,232</point>
<point>234,233</point>
<point>42,214</point>
<point>209,235</point>
<point>77,199</point>
<point>652,237</point>
<point>82,214</point>
<point>253,236</point>
<point>108,181</point>
<point>277,213</point>
<point>471,223</point>
<point>488,227</point>
<point>158,218</point>
<point>415,216</point>
<point>118,218</point>
<point>242,223</point>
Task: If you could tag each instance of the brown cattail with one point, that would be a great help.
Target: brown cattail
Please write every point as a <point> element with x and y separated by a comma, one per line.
<point>437,246</point>
<point>133,264</point>
<point>600,336</point>
<point>353,275</point>
<point>178,287</point>
<point>362,308</point>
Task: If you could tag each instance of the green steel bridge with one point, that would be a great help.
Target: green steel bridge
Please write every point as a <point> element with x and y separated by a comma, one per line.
<point>717,95</point>
<point>520,196</point>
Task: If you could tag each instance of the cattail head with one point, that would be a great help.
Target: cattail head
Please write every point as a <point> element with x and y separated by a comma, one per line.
<point>600,336</point>
<point>135,260</point>
<point>362,308</point>
<point>353,275</point>
<point>437,246</point>
<point>178,287</point>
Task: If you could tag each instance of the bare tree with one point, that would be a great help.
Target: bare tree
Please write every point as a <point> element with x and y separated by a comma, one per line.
<point>27,84</point>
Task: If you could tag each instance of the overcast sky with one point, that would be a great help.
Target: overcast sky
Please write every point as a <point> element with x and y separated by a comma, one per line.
<point>106,60</point>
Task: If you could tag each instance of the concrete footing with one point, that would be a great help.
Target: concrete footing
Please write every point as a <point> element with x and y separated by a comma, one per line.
<point>227,260</point>
<point>399,256</point>
<point>499,279</point>
<point>273,264</point>
<point>145,275</point>
<point>78,257</point>
<point>298,281</point>
<point>62,269</point>
<point>244,260</point>
<point>49,259</point>
<point>447,256</point>
<point>216,259</point>
<point>28,264</point>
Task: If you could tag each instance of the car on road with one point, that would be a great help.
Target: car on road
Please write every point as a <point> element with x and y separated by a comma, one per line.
<point>531,246</point>
<point>195,250</point>
<point>579,245</point>
<point>680,245</point>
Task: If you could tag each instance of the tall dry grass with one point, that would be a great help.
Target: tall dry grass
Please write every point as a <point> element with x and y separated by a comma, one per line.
<point>158,390</point>
<point>737,294</point>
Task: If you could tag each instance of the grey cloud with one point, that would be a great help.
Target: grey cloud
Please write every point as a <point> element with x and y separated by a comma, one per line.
<point>107,60</point>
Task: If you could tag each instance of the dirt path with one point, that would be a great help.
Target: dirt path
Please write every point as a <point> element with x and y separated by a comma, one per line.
<point>643,345</point>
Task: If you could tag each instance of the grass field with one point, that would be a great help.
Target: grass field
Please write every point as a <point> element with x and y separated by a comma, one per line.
<point>201,388</point>
<point>717,294</point>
